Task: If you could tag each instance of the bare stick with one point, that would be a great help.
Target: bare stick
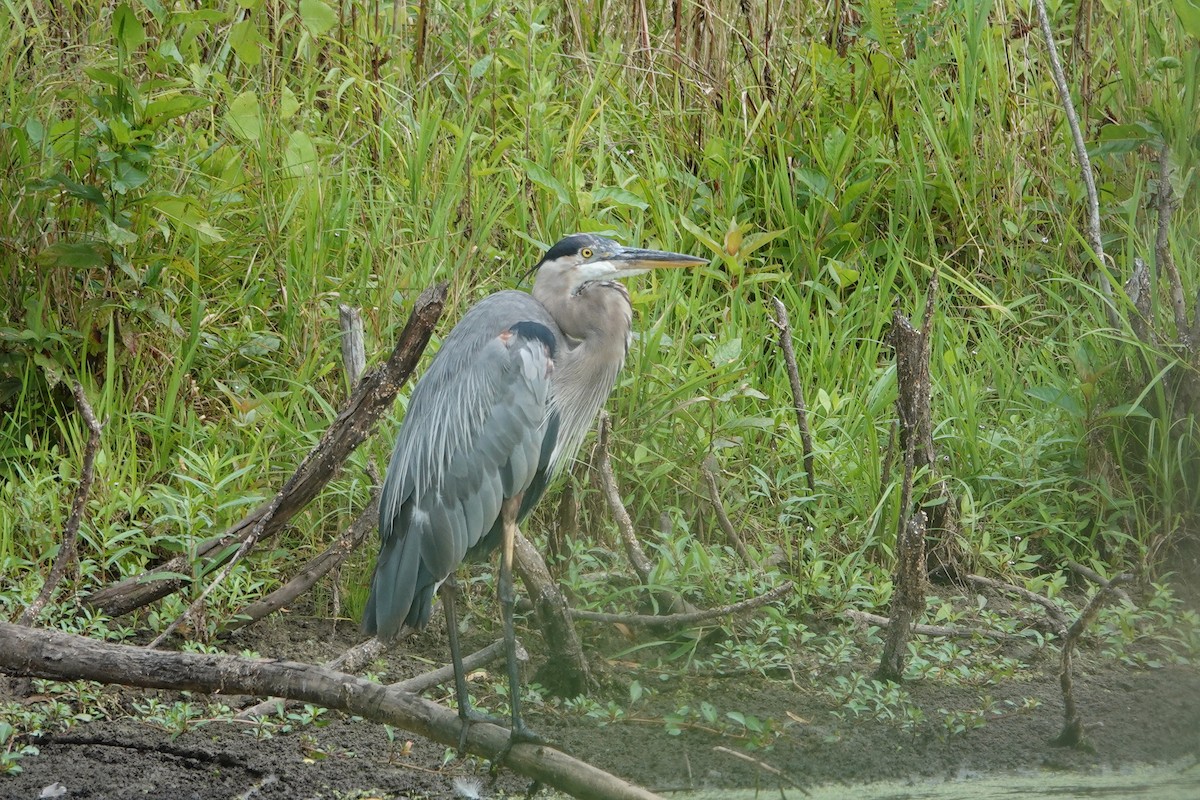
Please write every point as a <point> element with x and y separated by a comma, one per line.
<point>354,351</point>
<point>714,497</point>
<point>1162,247</point>
<point>62,656</point>
<point>68,557</point>
<point>426,680</point>
<point>371,398</point>
<point>789,358</point>
<point>637,557</point>
<point>1085,164</point>
<point>685,619</point>
<point>1072,732</point>
<point>1099,580</point>
<point>310,573</point>
<point>765,767</point>
<point>1052,610</point>
<point>919,629</point>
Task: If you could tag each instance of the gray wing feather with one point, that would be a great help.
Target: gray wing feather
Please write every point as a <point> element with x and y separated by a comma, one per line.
<point>472,436</point>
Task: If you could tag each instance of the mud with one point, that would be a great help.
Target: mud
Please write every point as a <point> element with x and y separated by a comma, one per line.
<point>1134,716</point>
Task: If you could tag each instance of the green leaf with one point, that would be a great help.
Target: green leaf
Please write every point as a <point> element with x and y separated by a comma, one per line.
<point>170,106</point>
<point>481,66</point>
<point>245,117</point>
<point>300,156</point>
<point>245,39</point>
<point>619,197</point>
<point>317,16</point>
<point>728,351</point>
<point>126,29</point>
<point>1057,397</point>
<point>288,104</point>
<point>756,240</point>
<point>76,255</point>
<point>1188,12</point>
<point>701,235</point>
<point>542,177</point>
<point>1124,138</point>
<point>127,177</point>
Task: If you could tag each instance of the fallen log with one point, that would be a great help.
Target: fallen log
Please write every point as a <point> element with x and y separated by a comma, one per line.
<point>62,656</point>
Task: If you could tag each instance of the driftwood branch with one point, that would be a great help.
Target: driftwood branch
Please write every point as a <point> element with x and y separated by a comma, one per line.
<point>1085,165</point>
<point>371,398</point>
<point>310,573</point>
<point>789,358</point>
<point>952,632</point>
<point>62,656</point>
<point>1056,615</point>
<point>1072,732</point>
<point>689,618</point>
<point>68,555</point>
<point>708,469</point>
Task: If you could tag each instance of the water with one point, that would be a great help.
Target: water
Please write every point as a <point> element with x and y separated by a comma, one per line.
<point>1172,782</point>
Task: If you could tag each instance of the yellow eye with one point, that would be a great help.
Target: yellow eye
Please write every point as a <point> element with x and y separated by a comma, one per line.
<point>586,252</point>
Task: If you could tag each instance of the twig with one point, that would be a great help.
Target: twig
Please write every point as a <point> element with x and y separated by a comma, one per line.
<point>350,661</point>
<point>714,497</point>
<point>637,556</point>
<point>1085,164</point>
<point>765,767</point>
<point>687,618</point>
<point>67,557</point>
<point>1162,246</point>
<point>789,358</point>
<point>919,629</point>
<point>310,573</point>
<point>425,680</point>
<point>1072,732</point>
<point>1052,610</point>
<point>1099,580</point>
<point>908,597</point>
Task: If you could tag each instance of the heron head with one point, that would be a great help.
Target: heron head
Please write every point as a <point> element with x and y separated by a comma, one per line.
<point>584,258</point>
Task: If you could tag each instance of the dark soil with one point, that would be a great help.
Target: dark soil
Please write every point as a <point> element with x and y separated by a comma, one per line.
<point>1134,715</point>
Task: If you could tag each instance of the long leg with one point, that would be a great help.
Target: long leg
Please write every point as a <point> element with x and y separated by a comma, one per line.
<point>508,602</point>
<point>466,714</point>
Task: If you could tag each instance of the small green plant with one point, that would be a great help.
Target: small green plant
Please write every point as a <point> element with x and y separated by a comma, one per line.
<point>12,750</point>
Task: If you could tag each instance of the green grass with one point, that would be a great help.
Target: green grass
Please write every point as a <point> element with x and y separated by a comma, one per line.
<point>190,194</point>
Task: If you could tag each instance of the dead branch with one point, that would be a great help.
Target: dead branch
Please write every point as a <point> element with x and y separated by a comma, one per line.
<point>1162,247</point>
<point>310,573</point>
<point>908,598</point>
<point>1099,580</point>
<point>427,680</point>
<point>764,766</point>
<point>1072,732</point>
<point>637,557</point>
<point>1081,156</point>
<point>68,556</point>
<point>61,656</point>
<point>354,350</point>
<point>371,398</point>
<point>866,618</point>
<point>686,619</point>
<point>565,670</point>
<point>783,325</point>
<point>1052,610</point>
<point>714,497</point>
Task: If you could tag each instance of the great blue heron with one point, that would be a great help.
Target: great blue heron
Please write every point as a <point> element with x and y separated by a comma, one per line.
<point>507,401</point>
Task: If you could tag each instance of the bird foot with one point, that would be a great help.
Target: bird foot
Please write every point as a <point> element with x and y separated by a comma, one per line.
<point>467,717</point>
<point>519,734</point>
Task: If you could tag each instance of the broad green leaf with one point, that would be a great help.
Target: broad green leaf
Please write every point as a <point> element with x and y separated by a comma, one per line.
<point>245,39</point>
<point>728,351</point>
<point>317,16</point>
<point>618,197</point>
<point>245,117</point>
<point>170,106</point>
<point>700,234</point>
<point>77,255</point>
<point>1188,12</point>
<point>481,66</point>
<point>127,177</point>
<point>288,104</point>
<point>756,240</point>
<point>300,157</point>
<point>126,29</point>
<point>1057,397</point>
<point>542,177</point>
